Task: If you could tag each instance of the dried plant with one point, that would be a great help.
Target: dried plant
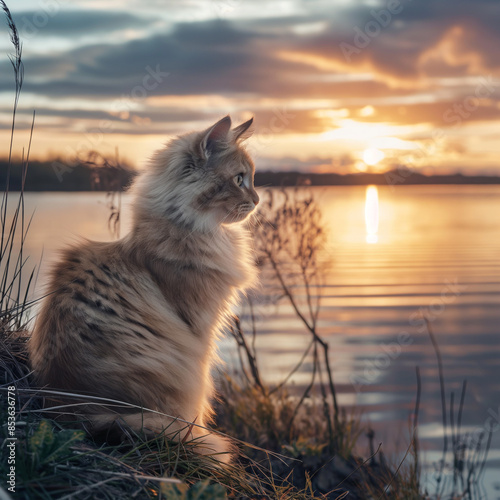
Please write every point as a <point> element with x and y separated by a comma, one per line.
<point>289,241</point>
<point>109,175</point>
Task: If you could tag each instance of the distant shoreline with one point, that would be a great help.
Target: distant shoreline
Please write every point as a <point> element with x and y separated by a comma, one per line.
<point>391,178</point>
<point>56,176</point>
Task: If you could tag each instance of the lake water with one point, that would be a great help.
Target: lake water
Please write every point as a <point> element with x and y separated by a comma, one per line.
<point>396,254</point>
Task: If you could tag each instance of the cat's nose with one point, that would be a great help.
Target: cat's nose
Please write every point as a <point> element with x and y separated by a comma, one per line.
<point>255,198</point>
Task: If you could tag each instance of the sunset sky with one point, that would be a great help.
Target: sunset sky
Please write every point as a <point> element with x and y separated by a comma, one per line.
<point>335,85</point>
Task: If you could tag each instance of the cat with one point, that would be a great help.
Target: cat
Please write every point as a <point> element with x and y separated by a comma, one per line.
<point>136,320</point>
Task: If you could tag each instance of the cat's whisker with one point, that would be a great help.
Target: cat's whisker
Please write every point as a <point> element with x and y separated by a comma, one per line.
<point>254,220</point>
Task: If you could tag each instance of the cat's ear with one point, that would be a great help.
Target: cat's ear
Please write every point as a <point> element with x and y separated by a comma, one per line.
<point>243,131</point>
<point>215,136</point>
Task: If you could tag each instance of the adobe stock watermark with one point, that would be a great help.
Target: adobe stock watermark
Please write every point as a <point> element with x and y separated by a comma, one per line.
<point>280,120</point>
<point>37,21</point>
<point>449,294</point>
<point>463,110</point>
<point>390,352</point>
<point>380,20</point>
<point>222,8</point>
<point>123,106</point>
<point>454,116</point>
<point>11,438</point>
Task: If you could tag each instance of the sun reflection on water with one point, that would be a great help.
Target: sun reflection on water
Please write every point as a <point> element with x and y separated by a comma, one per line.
<point>371,214</point>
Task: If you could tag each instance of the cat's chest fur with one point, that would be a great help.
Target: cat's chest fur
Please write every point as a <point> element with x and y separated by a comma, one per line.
<point>197,275</point>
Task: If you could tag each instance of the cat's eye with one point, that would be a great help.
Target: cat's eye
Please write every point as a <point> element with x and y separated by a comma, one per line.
<point>238,179</point>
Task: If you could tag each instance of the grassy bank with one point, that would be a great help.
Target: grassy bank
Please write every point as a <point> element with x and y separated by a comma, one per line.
<point>282,453</point>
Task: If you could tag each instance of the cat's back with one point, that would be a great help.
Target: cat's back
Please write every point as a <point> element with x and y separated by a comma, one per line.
<point>90,271</point>
<point>95,309</point>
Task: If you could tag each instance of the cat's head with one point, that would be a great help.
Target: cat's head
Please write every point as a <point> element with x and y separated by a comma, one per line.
<point>202,179</point>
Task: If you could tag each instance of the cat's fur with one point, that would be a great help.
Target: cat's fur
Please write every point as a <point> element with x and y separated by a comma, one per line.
<point>136,320</point>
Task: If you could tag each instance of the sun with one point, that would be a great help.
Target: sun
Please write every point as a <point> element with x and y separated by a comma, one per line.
<point>373,156</point>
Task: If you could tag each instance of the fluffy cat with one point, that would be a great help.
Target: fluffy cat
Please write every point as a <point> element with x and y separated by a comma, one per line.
<point>136,320</point>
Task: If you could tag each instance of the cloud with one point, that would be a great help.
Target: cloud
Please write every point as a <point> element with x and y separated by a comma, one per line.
<point>213,57</point>
<point>156,116</point>
<point>71,23</point>
<point>441,114</point>
<point>276,56</point>
<point>311,164</point>
<point>201,58</point>
<point>394,47</point>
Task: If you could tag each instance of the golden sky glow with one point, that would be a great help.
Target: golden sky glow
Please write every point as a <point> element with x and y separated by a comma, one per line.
<point>329,92</point>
